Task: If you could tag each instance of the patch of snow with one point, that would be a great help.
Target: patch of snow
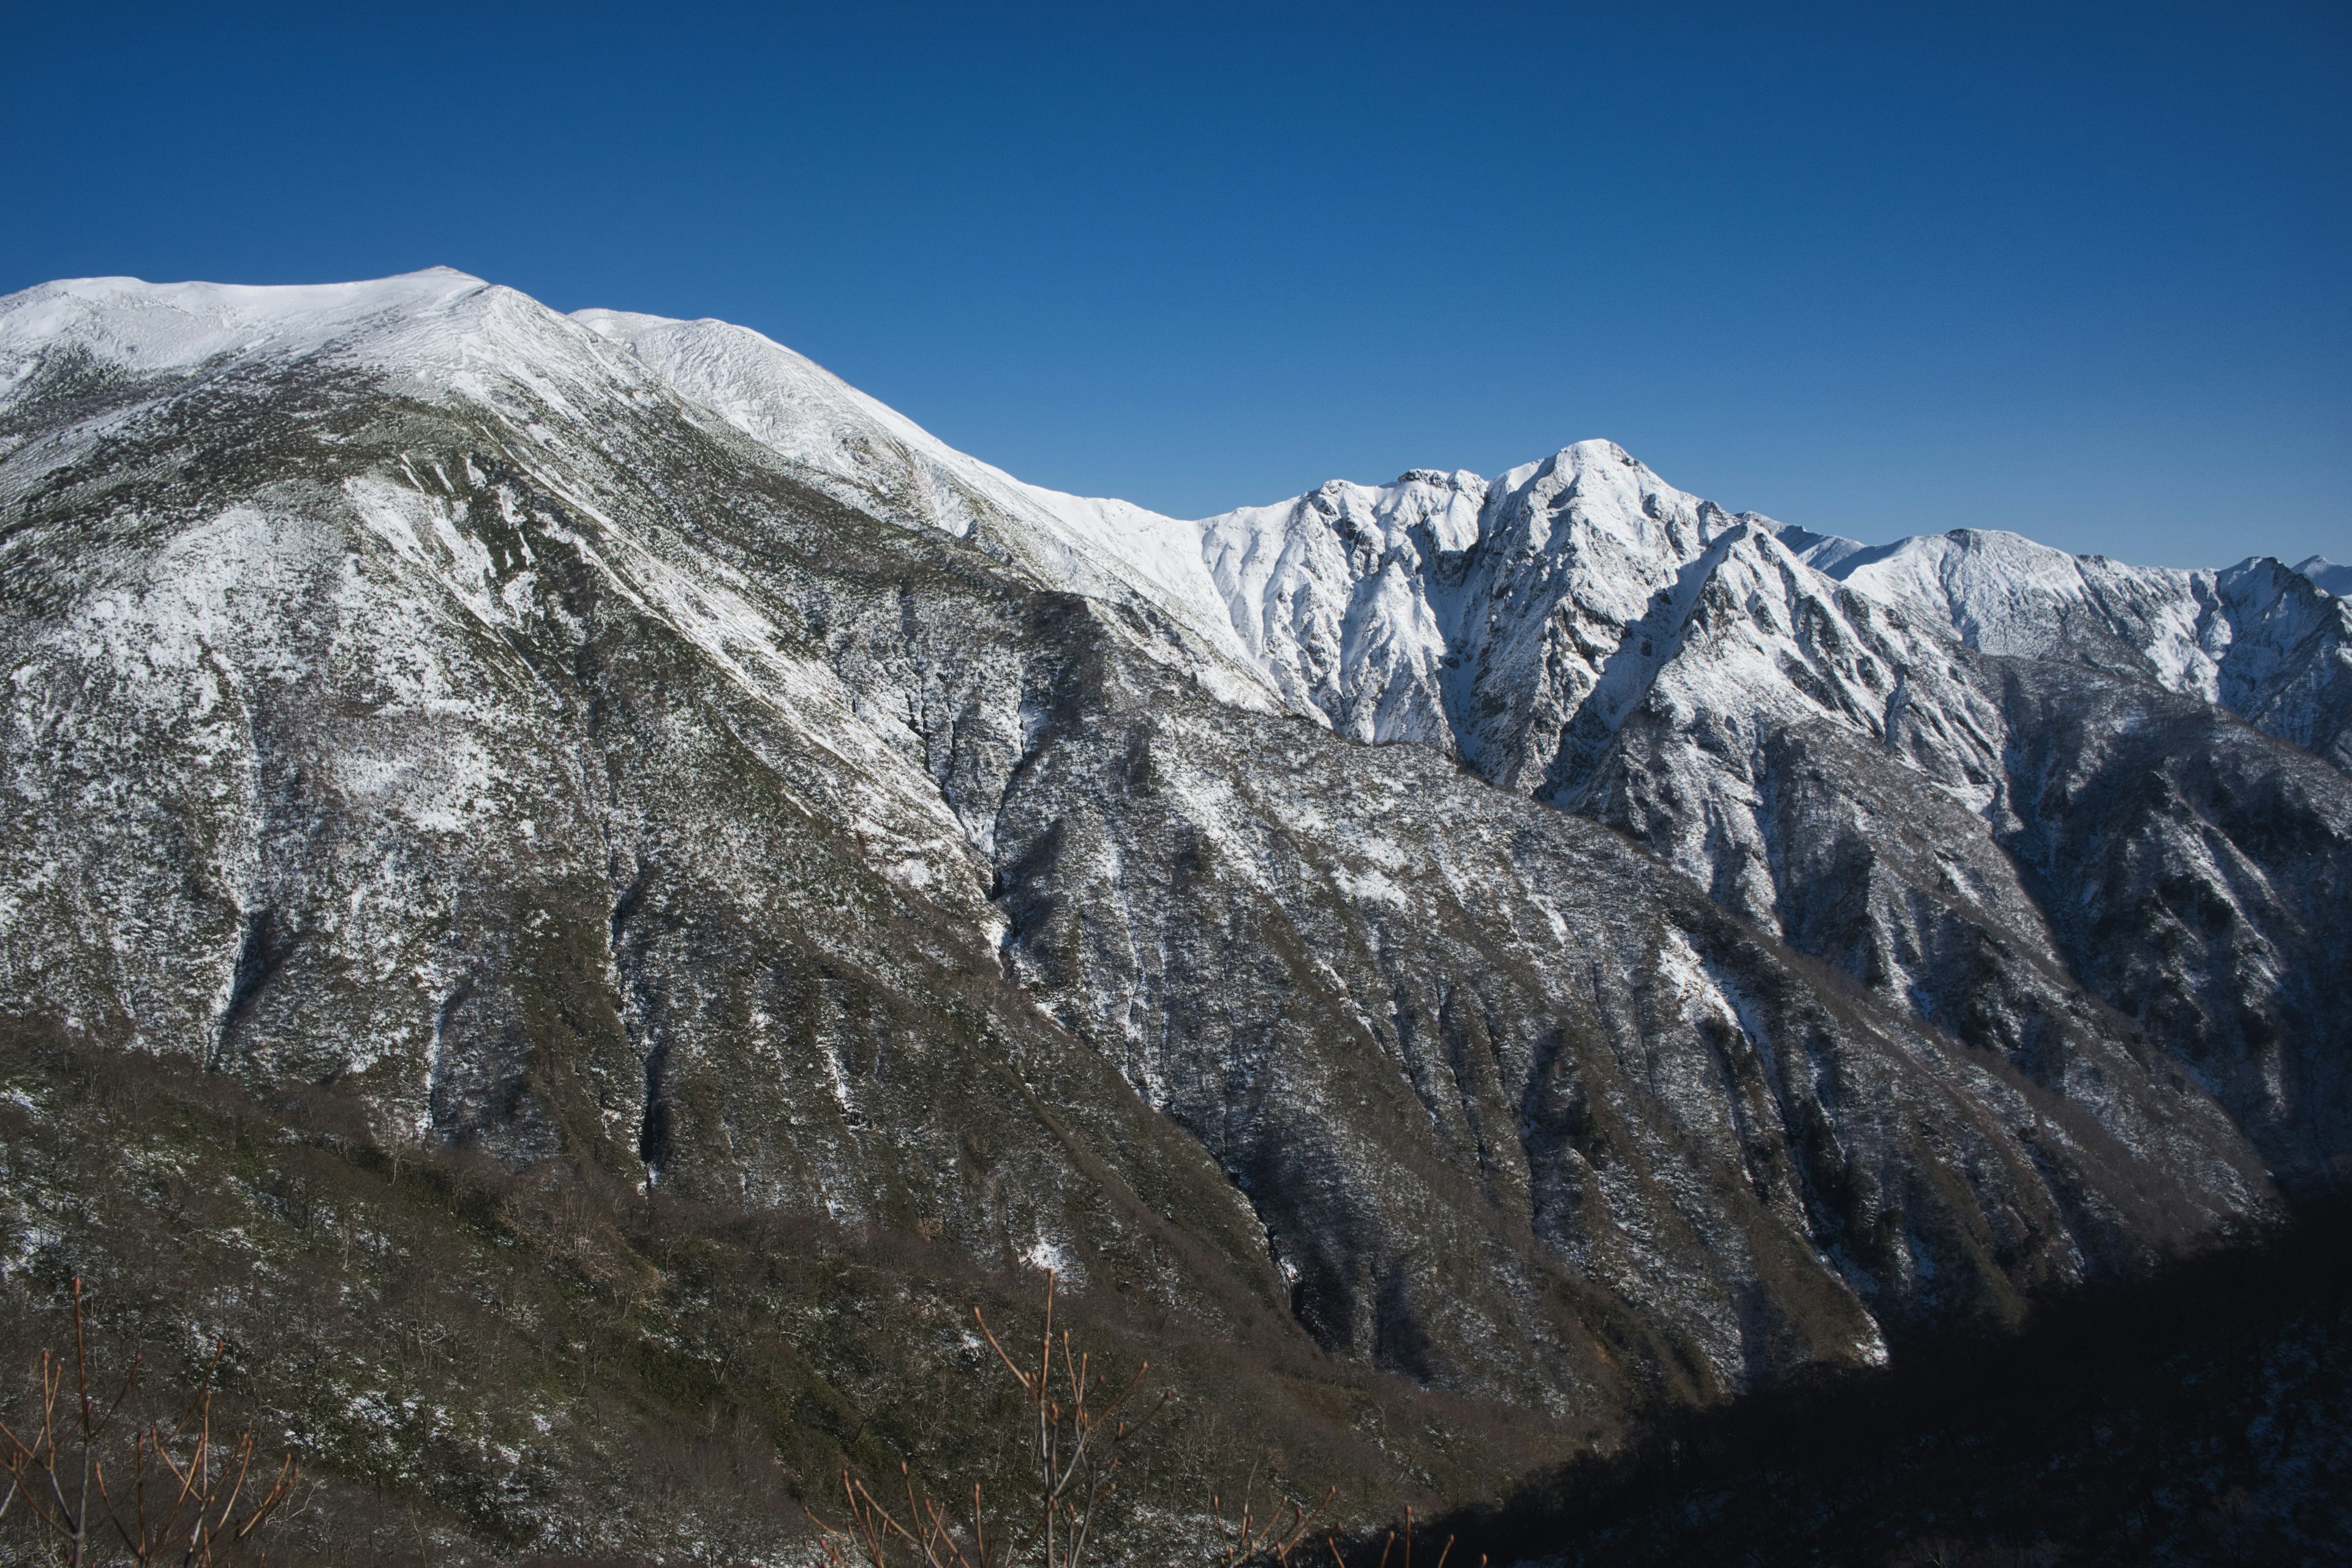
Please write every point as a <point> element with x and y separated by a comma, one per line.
<point>1051,1256</point>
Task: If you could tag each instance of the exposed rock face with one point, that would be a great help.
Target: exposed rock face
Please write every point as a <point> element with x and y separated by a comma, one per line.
<point>617,735</point>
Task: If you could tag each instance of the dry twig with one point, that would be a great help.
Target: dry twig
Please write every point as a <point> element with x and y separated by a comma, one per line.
<point>1390,1545</point>
<point>190,1516</point>
<point>1073,1435</point>
<point>1248,1539</point>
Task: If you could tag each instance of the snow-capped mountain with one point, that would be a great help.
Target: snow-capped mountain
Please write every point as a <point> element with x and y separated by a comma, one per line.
<point>2270,643</point>
<point>1544,937</point>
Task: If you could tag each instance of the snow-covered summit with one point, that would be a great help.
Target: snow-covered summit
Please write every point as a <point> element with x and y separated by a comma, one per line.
<point>1416,610</point>
<point>440,332</point>
<point>145,327</point>
<point>2327,574</point>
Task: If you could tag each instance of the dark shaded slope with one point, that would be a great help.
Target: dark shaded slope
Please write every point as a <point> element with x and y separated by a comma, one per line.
<point>2204,1416</point>
<point>1480,1067</point>
<point>2197,876</point>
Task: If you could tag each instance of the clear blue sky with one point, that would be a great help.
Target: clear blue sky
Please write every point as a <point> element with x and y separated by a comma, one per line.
<point>2080,271</point>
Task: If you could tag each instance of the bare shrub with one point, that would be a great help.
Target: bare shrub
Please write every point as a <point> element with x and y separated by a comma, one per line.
<point>1073,1442</point>
<point>180,1495</point>
<point>1246,1539</point>
<point>1389,1557</point>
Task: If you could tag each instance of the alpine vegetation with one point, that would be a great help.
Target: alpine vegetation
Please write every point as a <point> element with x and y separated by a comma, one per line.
<point>578,893</point>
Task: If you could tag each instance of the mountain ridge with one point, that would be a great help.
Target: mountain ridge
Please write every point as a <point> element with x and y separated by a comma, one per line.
<point>664,762</point>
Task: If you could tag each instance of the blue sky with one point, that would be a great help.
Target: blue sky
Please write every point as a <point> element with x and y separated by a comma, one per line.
<point>1880,269</point>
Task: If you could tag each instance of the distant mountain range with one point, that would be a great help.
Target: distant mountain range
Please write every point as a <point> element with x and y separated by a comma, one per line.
<point>1546,939</point>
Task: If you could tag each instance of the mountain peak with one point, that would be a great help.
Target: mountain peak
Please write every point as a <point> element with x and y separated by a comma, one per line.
<point>2330,577</point>
<point>1594,452</point>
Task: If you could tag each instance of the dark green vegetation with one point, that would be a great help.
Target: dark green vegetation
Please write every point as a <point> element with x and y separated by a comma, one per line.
<point>2204,1416</point>
<point>471,1360</point>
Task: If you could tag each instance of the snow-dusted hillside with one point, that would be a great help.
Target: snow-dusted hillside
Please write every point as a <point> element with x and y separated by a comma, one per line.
<point>873,456</point>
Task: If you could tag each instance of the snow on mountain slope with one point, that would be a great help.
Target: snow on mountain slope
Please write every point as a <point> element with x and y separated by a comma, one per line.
<point>2335,579</point>
<point>385,576</point>
<point>878,458</point>
<point>1343,596</point>
<point>1751,645</point>
<point>119,345</point>
<point>2256,637</point>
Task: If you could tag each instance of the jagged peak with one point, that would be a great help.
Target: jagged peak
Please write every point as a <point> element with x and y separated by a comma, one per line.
<point>1458,479</point>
